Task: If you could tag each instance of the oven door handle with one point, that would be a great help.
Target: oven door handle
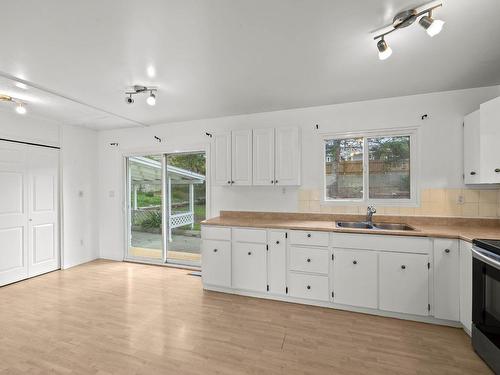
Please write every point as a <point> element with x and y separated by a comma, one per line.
<point>485,258</point>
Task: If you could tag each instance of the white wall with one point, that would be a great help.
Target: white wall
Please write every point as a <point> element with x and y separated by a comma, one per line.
<point>440,141</point>
<point>79,171</point>
<point>79,189</point>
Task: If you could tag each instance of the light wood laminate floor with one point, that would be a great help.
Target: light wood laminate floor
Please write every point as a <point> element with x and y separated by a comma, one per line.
<point>122,318</point>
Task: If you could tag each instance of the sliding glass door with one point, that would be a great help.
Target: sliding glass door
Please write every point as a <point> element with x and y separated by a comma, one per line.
<point>166,203</point>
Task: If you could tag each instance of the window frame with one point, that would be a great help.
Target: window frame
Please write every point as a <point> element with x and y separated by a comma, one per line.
<point>413,201</point>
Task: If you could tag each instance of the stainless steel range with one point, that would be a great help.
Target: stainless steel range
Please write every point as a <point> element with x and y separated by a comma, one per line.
<point>486,301</point>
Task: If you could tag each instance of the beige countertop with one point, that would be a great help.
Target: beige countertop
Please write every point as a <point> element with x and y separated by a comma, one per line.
<point>465,229</point>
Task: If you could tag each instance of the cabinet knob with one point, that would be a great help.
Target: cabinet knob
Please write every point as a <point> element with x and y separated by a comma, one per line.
<point>354,262</point>
<point>447,251</point>
<point>232,182</point>
<point>497,170</point>
<point>229,182</point>
<point>215,250</point>
<point>309,235</point>
<point>308,287</point>
<point>473,173</point>
<point>277,242</point>
<point>275,181</point>
<point>249,253</point>
<point>403,267</point>
<point>308,260</point>
<point>272,182</point>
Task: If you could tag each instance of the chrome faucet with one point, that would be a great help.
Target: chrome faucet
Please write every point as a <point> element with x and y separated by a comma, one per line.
<point>370,210</point>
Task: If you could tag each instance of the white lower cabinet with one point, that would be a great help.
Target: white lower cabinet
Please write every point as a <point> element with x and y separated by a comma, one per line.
<point>313,287</point>
<point>404,283</point>
<point>276,262</point>
<point>446,279</point>
<point>216,263</point>
<point>249,271</point>
<point>355,277</point>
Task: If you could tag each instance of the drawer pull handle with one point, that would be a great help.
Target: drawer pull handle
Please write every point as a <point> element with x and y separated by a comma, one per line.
<point>447,251</point>
<point>215,250</point>
<point>277,242</point>
<point>403,267</point>
<point>249,253</point>
<point>497,170</point>
<point>308,287</point>
<point>354,262</point>
<point>309,235</point>
<point>308,260</point>
<point>473,173</point>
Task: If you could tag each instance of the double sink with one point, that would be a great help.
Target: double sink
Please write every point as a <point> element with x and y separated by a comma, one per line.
<point>373,226</point>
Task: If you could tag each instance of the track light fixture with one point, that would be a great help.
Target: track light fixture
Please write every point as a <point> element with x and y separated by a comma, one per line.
<point>20,105</point>
<point>406,18</point>
<point>137,89</point>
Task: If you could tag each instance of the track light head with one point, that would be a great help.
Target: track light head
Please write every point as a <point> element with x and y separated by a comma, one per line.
<point>432,26</point>
<point>151,100</point>
<point>384,51</point>
<point>21,109</point>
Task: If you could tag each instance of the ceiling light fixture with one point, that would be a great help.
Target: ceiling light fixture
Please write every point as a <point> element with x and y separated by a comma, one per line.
<point>20,105</point>
<point>432,26</point>
<point>406,18</point>
<point>151,100</point>
<point>384,51</point>
<point>137,89</point>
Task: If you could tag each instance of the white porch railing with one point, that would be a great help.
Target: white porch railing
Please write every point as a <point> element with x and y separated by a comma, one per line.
<point>180,220</point>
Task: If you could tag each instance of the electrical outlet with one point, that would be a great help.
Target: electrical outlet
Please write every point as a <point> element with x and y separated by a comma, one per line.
<point>80,193</point>
<point>460,199</point>
<point>111,193</point>
<point>81,242</point>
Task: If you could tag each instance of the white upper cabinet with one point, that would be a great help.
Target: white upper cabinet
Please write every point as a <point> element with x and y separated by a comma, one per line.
<point>222,158</point>
<point>490,137</point>
<point>263,157</point>
<point>471,148</point>
<point>288,161</point>
<point>241,157</point>
<point>481,151</point>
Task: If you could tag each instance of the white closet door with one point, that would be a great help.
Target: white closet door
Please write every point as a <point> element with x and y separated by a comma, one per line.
<point>43,211</point>
<point>13,213</point>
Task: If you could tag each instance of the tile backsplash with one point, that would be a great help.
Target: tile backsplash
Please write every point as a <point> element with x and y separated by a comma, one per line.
<point>433,202</point>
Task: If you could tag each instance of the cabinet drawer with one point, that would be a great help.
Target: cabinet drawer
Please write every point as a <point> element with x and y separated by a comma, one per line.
<point>312,238</point>
<point>216,233</point>
<point>216,263</point>
<point>308,259</point>
<point>249,235</point>
<point>308,286</point>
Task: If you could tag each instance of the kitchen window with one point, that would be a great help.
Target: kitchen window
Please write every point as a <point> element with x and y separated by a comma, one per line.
<point>371,168</point>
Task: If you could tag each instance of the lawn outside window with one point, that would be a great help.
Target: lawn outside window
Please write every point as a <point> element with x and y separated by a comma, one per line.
<point>370,168</point>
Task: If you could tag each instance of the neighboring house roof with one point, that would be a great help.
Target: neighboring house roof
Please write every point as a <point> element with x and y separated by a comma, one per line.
<point>148,170</point>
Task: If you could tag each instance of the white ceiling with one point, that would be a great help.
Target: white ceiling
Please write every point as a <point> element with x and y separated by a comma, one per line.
<point>221,57</point>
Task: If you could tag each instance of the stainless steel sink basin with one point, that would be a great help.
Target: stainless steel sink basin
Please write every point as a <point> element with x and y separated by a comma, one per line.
<point>353,224</point>
<point>391,226</point>
<point>375,226</point>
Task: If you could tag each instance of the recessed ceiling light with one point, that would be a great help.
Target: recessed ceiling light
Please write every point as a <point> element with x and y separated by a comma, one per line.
<point>151,100</point>
<point>151,71</point>
<point>21,108</point>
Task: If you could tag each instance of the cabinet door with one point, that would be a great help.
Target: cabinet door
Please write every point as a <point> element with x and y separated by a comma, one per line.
<point>288,161</point>
<point>216,263</point>
<point>404,283</point>
<point>263,157</point>
<point>355,279</point>
<point>222,158</point>
<point>466,285</point>
<point>276,262</point>
<point>471,148</point>
<point>249,270</point>
<point>446,279</point>
<point>241,158</point>
<point>490,134</point>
